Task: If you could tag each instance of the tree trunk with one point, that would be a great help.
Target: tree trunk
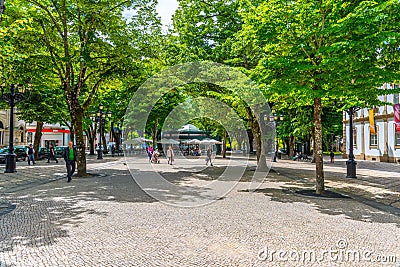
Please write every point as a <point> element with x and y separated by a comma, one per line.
<point>38,137</point>
<point>250,144</point>
<point>308,150</point>
<point>224,144</point>
<point>313,145</point>
<point>319,164</point>
<point>118,140</point>
<point>257,139</point>
<point>80,141</point>
<point>71,133</point>
<point>91,135</point>
<point>239,140</point>
<point>104,141</point>
<point>292,141</point>
<point>255,129</point>
<point>260,147</point>
<point>287,144</point>
<point>2,8</point>
<point>154,133</point>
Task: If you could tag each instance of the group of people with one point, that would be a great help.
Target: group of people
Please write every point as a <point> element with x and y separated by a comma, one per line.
<point>153,155</point>
<point>30,154</point>
<point>300,156</point>
<point>69,154</point>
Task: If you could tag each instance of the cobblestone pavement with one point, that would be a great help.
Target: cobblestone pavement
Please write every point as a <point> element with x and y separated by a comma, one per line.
<point>376,181</point>
<point>107,220</point>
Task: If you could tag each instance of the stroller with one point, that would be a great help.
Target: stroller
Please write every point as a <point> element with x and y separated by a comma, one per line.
<point>155,157</point>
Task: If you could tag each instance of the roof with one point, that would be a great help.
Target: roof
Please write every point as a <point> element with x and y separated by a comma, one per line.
<point>189,128</point>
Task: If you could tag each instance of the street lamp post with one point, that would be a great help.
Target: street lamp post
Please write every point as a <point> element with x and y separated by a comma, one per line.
<point>12,98</point>
<point>351,163</point>
<point>274,117</point>
<point>100,118</point>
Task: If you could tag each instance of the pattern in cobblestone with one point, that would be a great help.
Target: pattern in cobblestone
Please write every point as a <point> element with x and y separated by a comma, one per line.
<point>108,221</point>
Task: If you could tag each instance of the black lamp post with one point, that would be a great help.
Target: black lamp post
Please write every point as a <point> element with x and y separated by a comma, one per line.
<point>274,117</point>
<point>351,163</point>
<point>100,118</point>
<point>12,98</point>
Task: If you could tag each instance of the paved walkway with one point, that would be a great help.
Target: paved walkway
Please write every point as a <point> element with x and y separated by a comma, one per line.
<point>107,220</point>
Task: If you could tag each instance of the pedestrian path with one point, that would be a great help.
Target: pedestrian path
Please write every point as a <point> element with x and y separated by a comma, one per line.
<point>106,219</point>
<point>42,172</point>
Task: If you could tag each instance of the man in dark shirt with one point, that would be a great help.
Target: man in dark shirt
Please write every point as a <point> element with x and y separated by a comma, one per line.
<point>30,152</point>
<point>52,154</point>
<point>70,156</point>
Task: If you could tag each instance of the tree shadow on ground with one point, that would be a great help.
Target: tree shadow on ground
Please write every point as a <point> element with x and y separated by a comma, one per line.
<point>43,212</point>
<point>351,208</point>
<point>374,194</point>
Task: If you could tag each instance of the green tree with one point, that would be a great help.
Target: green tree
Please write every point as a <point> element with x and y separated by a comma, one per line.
<point>319,50</point>
<point>84,45</point>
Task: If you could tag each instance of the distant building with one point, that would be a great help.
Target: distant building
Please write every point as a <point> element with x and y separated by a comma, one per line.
<point>375,134</point>
<point>187,132</point>
<point>52,134</point>
<point>24,133</point>
<point>19,129</point>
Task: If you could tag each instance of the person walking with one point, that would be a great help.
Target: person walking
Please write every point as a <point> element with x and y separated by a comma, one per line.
<point>208,158</point>
<point>150,152</point>
<point>332,155</point>
<point>52,154</point>
<point>30,152</point>
<point>70,156</point>
<point>113,149</point>
<point>170,155</point>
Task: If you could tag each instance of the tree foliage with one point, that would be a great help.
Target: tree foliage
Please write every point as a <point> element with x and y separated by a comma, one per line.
<point>319,51</point>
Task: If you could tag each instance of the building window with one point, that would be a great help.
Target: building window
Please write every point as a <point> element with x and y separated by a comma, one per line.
<point>396,97</point>
<point>355,137</point>
<point>373,138</point>
<point>397,140</point>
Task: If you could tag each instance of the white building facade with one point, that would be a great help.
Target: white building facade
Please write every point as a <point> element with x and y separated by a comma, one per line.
<point>382,142</point>
<point>19,130</point>
<point>52,134</point>
<point>24,133</point>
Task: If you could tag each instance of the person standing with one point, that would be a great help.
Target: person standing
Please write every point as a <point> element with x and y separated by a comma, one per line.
<point>52,154</point>
<point>170,155</point>
<point>70,156</point>
<point>209,154</point>
<point>30,152</point>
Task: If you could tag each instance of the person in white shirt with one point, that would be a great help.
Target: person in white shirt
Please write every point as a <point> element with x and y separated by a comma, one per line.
<point>170,155</point>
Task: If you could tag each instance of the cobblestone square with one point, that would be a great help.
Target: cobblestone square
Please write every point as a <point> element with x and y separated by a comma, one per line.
<point>107,220</point>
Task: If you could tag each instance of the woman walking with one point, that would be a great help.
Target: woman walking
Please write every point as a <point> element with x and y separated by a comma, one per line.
<point>208,158</point>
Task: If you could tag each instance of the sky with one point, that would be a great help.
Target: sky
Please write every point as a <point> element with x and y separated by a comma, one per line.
<point>165,9</point>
